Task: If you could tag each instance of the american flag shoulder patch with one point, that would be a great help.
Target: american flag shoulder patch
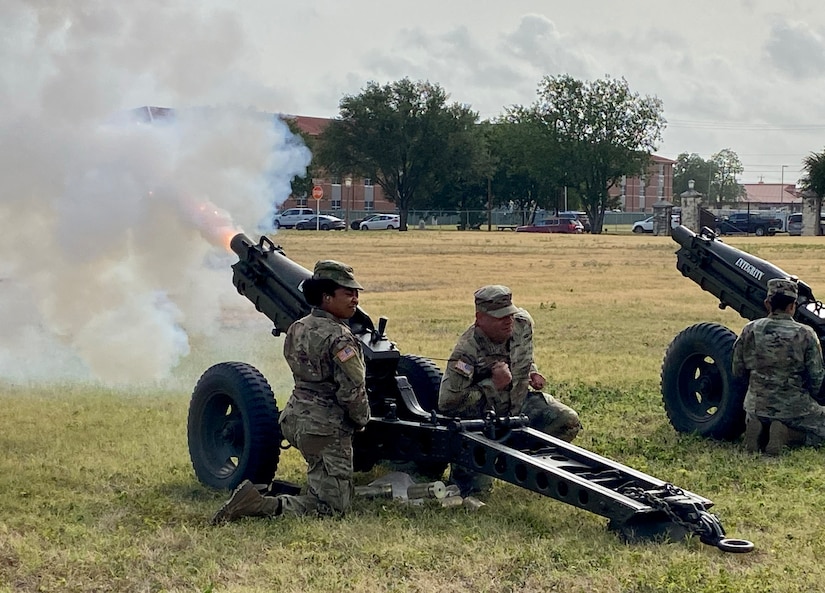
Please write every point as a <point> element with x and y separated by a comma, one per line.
<point>345,353</point>
<point>463,368</point>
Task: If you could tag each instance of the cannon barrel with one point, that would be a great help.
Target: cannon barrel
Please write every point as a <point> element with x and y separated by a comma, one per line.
<point>738,279</point>
<point>272,282</point>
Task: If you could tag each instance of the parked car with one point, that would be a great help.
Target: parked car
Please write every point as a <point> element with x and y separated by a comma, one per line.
<point>646,225</point>
<point>553,225</point>
<point>323,222</point>
<point>795,224</point>
<point>580,216</point>
<point>356,224</point>
<point>291,216</point>
<point>643,226</point>
<point>381,221</point>
<point>748,222</point>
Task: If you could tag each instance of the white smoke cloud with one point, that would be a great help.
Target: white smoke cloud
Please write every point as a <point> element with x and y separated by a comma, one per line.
<point>110,227</point>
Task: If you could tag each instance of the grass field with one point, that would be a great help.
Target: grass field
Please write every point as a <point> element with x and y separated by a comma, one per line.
<point>97,492</point>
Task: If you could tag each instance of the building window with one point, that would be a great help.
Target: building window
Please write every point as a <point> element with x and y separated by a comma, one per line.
<point>368,182</point>
<point>301,200</point>
<point>369,196</point>
<point>335,198</point>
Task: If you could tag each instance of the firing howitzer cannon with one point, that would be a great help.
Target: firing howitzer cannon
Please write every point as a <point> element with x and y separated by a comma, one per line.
<point>700,393</point>
<point>233,429</point>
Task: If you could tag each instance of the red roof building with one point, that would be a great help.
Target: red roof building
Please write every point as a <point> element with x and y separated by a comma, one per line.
<point>775,195</point>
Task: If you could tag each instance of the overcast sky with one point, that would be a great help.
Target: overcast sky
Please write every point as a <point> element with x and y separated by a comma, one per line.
<point>742,74</point>
<point>111,233</point>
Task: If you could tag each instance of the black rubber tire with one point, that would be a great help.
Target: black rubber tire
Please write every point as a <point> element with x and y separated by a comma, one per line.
<point>759,231</point>
<point>324,227</point>
<point>424,377</point>
<point>277,225</point>
<point>365,227</point>
<point>638,229</point>
<point>232,428</point>
<point>390,228</point>
<point>699,391</point>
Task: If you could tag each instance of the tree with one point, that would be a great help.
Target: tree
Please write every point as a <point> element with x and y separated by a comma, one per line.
<point>405,137</point>
<point>603,131</point>
<point>692,166</point>
<point>726,190</point>
<point>529,171</point>
<point>814,176</point>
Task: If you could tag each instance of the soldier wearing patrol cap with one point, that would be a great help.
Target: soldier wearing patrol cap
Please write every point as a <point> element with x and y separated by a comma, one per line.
<point>782,361</point>
<point>492,368</point>
<point>328,402</point>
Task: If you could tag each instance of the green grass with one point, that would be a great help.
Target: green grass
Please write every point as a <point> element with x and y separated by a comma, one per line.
<point>97,492</point>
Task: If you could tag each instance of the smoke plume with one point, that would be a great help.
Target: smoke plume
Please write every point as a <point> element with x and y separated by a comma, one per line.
<point>114,220</point>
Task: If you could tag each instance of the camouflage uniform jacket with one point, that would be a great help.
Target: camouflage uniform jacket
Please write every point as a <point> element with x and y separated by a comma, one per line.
<point>328,367</point>
<point>467,388</point>
<point>783,360</point>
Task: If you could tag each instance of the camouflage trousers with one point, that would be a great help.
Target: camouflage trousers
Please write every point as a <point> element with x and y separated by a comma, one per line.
<point>546,414</point>
<point>329,469</point>
<point>812,425</point>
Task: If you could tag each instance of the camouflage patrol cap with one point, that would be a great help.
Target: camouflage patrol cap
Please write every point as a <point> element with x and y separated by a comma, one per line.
<point>495,300</point>
<point>782,286</point>
<point>339,273</point>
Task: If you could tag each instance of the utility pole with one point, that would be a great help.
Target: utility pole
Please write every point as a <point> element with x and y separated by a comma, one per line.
<point>782,185</point>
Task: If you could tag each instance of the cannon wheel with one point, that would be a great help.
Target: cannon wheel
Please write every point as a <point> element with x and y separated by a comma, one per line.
<point>699,391</point>
<point>424,377</point>
<point>232,428</point>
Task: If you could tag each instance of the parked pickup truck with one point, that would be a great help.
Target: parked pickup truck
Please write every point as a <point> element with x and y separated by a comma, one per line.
<point>748,222</point>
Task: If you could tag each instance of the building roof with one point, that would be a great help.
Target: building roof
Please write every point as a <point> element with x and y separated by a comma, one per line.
<point>774,193</point>
<point>309,125</point>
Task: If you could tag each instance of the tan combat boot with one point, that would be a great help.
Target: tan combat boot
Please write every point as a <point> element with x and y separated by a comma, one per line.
<point>778,439</point>
<point>246,501</point>
<point>753,433</point>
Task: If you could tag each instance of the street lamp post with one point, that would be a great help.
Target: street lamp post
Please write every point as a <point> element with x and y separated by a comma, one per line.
<point>348,183</point>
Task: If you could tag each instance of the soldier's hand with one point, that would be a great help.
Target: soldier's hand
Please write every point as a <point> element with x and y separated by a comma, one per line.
<point>502,376</point>
<point>537,381</point>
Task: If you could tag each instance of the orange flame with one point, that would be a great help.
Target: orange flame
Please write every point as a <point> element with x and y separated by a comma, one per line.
<point>214,224</point>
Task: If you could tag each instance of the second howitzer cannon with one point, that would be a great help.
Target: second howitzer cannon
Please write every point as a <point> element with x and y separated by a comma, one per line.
<point>233,429</point>
<point>700,393</point>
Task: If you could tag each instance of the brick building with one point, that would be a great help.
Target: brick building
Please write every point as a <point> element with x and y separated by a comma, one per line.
<point>342,195</point>
<point>638,194</point>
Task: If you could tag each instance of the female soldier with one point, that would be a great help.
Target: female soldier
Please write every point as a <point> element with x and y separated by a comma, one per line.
<point>328,403</point>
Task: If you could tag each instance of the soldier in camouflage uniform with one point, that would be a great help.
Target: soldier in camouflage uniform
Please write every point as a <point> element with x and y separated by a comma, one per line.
<point>492,368</point>
<point>328,403</point>
<point>782,361</point>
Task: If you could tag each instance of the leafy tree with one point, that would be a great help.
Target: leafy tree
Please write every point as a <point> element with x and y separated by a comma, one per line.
<point>814,176</point>
<point>725,188</point>
<point>692,166</point>
<point>529,171</point>
<point>405,137</point>
<point>603,131</point>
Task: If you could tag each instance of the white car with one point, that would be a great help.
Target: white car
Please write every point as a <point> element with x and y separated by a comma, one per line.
<point>646,225</point>
<point>291,216</point>
<point>381,221</point>
<point>643,226</point>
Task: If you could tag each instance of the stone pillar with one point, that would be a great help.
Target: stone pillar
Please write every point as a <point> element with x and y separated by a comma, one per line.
<point>811,206</point>
<point>691,203</point>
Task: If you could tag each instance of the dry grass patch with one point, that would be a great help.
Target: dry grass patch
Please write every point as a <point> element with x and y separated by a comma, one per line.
<point>98,494</point>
